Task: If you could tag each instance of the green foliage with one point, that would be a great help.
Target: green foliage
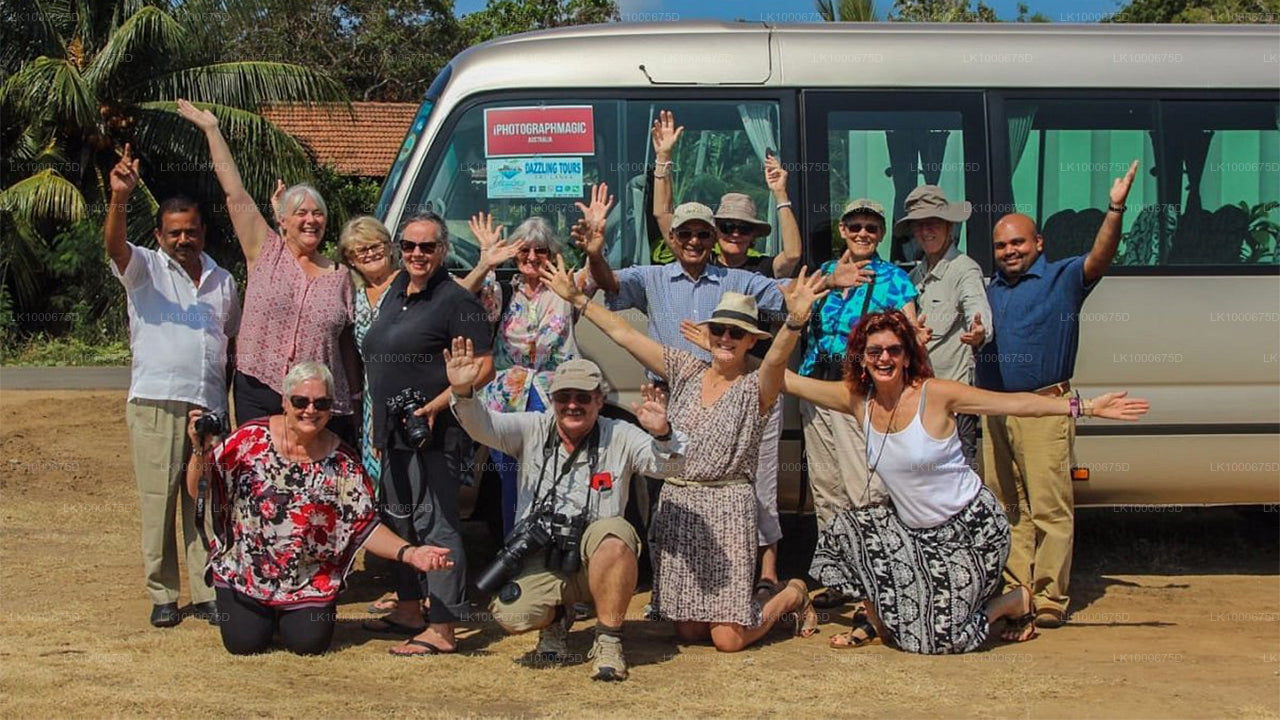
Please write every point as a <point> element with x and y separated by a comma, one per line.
<point>847,10</point>
<point>347,197</point>
<point>507,17</point>
<point>1264,233</point>
<point>1199,11</point>
<point>942,11</point>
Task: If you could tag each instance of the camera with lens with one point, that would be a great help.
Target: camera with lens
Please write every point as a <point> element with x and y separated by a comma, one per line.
<point>527,537</point>
<point>401,408</point>
<point>212,423</point>
<point>564,553</point>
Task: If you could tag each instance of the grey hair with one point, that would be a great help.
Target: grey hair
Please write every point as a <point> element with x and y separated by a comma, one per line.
<point>427,216</point>
<point>293,197</point>
<point>538,233</point>
<point>363,229</point>
<point>308,370</point>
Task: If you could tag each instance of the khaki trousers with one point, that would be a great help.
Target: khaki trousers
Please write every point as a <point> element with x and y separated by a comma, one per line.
<point>835,449</point>
<point>158,435</point>
<point>1028,466</point>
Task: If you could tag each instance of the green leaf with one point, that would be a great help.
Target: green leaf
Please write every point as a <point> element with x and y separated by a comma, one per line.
<point>54,86</point>
<point>44,197</point>
<point>244,85</point>
<point>147,33</point>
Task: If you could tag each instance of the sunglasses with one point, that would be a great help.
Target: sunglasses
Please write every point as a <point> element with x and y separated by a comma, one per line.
<point>428,247</point>
<point>735,228</point>
<point>300,402</point>
<point>539,251</point>
<point>854,227</point>
<point>718,329</point>
<point>895,351</point>
<point>687,235</point>
<point>564,397</point>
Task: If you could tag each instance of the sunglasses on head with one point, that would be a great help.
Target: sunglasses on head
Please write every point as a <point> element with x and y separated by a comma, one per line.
<point>539,251</point>
<point>895,351</point>
<point>853,227</point>
<point>719,329</point>
<point>687,235</point>
<point>729,227</point>
<point>564,397</point>
<point>300,402</point>
<point>428,247</point>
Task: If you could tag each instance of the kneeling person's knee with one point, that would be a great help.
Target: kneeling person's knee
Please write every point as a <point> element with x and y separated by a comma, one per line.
<point>533,608</point>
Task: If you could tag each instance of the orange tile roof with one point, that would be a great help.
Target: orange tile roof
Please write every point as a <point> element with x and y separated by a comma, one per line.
<point>364,144</point>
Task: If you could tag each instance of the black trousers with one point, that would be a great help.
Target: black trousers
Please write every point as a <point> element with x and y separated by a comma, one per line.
<point>247,625</point>
<point>967,428</point>
<point>420,504</point>
<point>254,399</point>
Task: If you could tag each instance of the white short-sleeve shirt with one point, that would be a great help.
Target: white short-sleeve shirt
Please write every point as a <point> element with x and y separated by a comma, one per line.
<point>178,333</point>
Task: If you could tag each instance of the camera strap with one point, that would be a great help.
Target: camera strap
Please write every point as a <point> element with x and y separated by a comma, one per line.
<point>549,455</point>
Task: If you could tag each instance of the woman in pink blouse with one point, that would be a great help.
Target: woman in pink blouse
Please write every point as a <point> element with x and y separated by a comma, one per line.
<point>297,302</point>
<point>535,333</point>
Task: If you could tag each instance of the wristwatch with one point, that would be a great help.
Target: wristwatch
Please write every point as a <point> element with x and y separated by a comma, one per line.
<point>666,435</point>
<point>796,327</point>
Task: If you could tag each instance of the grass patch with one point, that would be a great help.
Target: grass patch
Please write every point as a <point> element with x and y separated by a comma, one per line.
<point>41,351</point>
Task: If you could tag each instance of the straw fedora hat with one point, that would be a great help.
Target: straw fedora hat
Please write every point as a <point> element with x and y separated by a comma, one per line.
<point>929,201</point>
<point>739,311</point>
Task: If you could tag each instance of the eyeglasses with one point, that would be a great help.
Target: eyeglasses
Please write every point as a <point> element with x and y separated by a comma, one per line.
<point>564,397</point>
<point>687,235</point>
<point>853,227</point>
<point>895,351</point>
<point>369,252</point>
<point>735,228</point>
<point>539,251</point>
<point>300,402</point>
<point>428,248</point>
<point>719,329</point>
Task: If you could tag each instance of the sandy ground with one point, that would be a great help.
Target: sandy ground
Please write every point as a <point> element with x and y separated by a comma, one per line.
<point>1177,614</point>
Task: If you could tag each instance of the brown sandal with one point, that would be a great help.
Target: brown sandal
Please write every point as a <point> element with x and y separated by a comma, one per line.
<point>806,624</point>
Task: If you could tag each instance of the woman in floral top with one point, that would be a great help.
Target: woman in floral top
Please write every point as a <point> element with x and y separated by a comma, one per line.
<point>536,332</point>
<point>292,505</point>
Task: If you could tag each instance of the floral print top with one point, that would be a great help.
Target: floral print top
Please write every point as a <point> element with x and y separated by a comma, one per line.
<point>286,532</point>
<point>535,335</point>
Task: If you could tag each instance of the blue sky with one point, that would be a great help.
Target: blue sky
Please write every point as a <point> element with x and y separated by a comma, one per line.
<point>803,11</point>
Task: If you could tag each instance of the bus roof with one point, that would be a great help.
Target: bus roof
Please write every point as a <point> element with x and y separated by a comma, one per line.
<point>875,55</point>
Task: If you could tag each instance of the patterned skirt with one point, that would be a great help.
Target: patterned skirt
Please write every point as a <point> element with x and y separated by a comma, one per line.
<point>703,544</point>
<point>928,584</point>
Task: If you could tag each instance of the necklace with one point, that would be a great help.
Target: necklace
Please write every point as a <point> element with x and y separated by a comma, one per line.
<point>871,468</point>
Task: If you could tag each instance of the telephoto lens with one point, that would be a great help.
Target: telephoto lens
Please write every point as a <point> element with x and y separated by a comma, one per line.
<point>529,536</point>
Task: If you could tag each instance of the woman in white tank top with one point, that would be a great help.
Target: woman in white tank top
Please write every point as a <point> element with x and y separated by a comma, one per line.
<point>930,560</point>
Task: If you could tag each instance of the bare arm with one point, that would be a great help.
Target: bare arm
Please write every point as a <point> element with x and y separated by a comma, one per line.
<point>961,398</point>
<point>124,178</point>
<point>386,544</point>
<point>800,296</point>
<point>665,135</point>
<point>785,262</point>
<point>251,228</point>
<point>1107,241</point>
<point>830,394</point>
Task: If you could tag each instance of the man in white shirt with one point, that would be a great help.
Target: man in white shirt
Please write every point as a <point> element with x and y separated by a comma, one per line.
<point>182,310</point>
<point>577,466</point>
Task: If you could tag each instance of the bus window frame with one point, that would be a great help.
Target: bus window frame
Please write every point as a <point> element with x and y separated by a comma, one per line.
<point>1002,189</point>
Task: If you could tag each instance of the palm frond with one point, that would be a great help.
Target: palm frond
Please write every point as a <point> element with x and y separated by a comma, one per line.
<point>32,31</point>
<point>51,85</point>
<point>21,253</point>
<point>148,32</point>
<point>44,197</point>
<point>245,85</point>
<point>826,9</point>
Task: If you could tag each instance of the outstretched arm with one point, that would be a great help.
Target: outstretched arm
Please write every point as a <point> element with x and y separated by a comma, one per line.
<point>1108,238</point>
<point>961,398</point>
<point>830,394</point>
<point>641,346</point>
<point>776,178</point>
<point>588,235</point>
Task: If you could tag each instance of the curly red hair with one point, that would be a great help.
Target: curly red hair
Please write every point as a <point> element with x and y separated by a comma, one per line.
<point>918,366</point>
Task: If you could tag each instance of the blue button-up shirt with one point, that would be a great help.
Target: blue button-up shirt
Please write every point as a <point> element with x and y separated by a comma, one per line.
<point>667,295</point>
<point>1039,319</point>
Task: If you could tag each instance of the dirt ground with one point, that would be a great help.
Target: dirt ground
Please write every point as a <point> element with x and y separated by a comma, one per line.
<point>1177,614</point>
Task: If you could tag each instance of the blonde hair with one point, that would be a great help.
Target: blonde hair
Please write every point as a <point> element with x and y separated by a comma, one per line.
<point>307,370</point>
<point>358,231</point>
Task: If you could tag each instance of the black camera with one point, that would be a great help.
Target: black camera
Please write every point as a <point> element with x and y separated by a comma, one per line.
<point>564,553</point>
<point>527,537</point>
<point>212,423</point>
<point>401,409</point>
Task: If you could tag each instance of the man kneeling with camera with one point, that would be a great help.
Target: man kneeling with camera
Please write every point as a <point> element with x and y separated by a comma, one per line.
<point>570,543</point>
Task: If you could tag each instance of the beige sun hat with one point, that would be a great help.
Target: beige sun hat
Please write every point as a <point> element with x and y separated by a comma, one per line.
<point>740,207</point>
<point>577,374</point>
<point>929,201</point>
<point>863,205</point>
<point>740,311</point>
<point>690,211</point>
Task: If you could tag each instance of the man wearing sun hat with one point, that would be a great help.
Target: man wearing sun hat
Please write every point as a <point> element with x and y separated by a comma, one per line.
<point>577,464</point>
<point>953,298</point>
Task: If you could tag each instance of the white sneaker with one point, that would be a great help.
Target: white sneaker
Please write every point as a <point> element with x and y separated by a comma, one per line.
<point>610,663</point>
<point>553,641</point>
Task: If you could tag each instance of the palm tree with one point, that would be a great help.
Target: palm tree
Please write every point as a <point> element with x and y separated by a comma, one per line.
<point>80,78</point>
<point>847,10</point>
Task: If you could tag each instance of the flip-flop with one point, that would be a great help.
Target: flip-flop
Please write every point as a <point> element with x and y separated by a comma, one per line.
<point>431,649</point>
<point>376,607</point>
<point>390,627</point>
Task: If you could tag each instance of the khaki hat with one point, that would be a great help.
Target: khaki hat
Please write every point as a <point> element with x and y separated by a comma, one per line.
<point>863,205</point>
<point>690,211</point>
<point>740,207</point>
<point>738,310</point>
<point>577,374</point>
<point>928,201</point>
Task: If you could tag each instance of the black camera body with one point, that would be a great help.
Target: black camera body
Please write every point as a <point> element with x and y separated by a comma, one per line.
<point>564,552</point>
<point>401,408</point>
<point>558,534</point>
<point>212,423</point>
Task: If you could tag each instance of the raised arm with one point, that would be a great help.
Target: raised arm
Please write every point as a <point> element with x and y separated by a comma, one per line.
<point>784,263</point>
<point>124,178</point>
<point>665,135</point>
<point>641,346</point>
<point>1108,238</point>
<point>830,394</point>
<point>495,250</point>
<point>251,228</point>
<point>800,296</point>
<point>588,235</point>
<point>962,398</point>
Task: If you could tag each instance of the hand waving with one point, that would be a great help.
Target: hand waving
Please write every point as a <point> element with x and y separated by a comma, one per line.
<point>124,176</point>
<point>202,119</point>
<point>695,333</point>
<point>774,176</point>
<point>462,366</point>
<point>560,281</point>
<point>665,134</point>
<point>800,294</point>
<point>651,411</point>
<point>494,248</point>
<point>976,334</point>
<point>850,274</point>
<point>276,198</point>
<point>1116,406</point>
<point>601,202</point>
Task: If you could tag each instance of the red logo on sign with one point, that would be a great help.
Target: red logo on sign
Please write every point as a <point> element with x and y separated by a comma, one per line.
<point>565,130</point>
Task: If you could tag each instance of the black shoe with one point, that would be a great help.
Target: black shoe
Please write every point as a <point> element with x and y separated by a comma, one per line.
<point>165,615</point>
<point>206,611</point>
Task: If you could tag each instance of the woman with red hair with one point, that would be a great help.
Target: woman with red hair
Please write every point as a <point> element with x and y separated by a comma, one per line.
<point>929,559</point>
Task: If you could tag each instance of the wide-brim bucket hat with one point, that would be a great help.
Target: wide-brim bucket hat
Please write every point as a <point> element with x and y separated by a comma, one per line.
<point>929,201</point>
<point>740,207</point>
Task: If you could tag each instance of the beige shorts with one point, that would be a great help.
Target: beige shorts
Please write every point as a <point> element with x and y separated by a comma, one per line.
<point>541,590</point>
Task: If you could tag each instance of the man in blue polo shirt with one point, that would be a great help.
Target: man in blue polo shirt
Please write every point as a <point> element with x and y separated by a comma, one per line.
<point>1036,304</point>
